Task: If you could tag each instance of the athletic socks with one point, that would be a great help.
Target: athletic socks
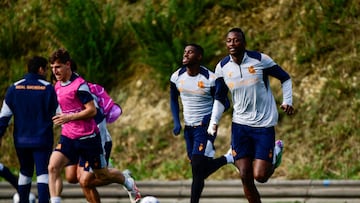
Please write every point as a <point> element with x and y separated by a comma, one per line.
<point>55,200</point>
<point>128,184</point>
<point>229,157</point>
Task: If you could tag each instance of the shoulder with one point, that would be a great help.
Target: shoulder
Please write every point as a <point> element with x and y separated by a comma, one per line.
<point>178,73</point>
<point>264,58</point>
<point>254,55</point>
<point>44,82</point>
<point>208,74</point>
<point>224,61</point>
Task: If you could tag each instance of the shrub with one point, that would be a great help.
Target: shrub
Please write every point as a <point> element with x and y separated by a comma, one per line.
<point>90,32</point>
<point>163,32</point>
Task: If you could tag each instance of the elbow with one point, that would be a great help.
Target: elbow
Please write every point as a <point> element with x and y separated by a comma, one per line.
<point>93,113</point>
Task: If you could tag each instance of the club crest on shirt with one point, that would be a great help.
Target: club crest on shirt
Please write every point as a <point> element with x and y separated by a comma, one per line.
<point>251,69</point>
<point>201,84</point>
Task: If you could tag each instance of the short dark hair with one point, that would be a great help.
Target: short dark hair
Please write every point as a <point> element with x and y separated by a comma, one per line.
<point>61,54</point>
<point>198,48</point>
<point>35,63</point>
<point>238,30</point>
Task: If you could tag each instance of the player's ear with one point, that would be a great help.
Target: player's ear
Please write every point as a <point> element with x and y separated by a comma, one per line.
<point>42,70</point>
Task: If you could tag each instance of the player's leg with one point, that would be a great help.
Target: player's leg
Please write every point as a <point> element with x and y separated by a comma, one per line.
<point>71,173</point>
<point>212,165</point>
<point>85,177</point>
<point>41,158</point>
<point>243,149</point>
<point>107,150</point>
<point>198,161</point>
<point>198,168</point>
<point>263,139</point>
<point>63,153</point>
<point>26,162</point>
<point>245,168</point>
<point>89,190</point>
<point>10,177</point>
<point>202,165</point>
<point>92,152</point>
<point>106,141</point>
<point>56,164</point>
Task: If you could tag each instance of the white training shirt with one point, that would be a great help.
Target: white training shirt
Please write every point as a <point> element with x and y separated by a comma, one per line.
<point>195,93</point>
<point>253,102</point>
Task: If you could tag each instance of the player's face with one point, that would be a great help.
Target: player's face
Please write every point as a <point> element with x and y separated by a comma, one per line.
<point>235,43</point>
<point>61,71</point>
<point>191,56</point>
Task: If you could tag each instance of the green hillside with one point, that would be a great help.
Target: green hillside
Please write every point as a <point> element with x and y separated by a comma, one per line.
<point>132,47</point>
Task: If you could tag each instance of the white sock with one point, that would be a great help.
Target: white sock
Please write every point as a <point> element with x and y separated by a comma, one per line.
<point>229,158</point>
<point>55,199</point>
<point>128,184</point>
<point>209,149</point>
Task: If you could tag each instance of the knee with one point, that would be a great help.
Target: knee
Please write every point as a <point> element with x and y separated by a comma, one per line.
<point>52,169</point>
<point>262,171</point>
<point>71,179</point>
<point>71,176</point>
<point>261,178</point>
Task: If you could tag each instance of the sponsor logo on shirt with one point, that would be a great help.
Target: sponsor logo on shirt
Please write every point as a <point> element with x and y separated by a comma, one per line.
<point>30,87</point>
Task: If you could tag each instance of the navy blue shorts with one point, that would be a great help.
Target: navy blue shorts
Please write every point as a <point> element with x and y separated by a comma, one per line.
<point>196,139</point>
<point>107,148</point>
<point>254,142</point>
<point>88,149</point>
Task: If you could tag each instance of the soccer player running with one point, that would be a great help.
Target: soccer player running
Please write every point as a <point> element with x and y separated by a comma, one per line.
<point>80,138</point>
<point>32,101</point>
<point>195,85</point>
<point>107,112</point>
<point>245,73</point>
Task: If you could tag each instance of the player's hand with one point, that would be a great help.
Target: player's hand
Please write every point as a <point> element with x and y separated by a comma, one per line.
<point>288,109</point>
<point>177,129</point>
<point>212,129</point>
<point>61,119</point>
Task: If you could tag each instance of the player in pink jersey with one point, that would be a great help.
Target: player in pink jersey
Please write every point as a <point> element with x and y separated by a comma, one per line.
<point>80,138</point>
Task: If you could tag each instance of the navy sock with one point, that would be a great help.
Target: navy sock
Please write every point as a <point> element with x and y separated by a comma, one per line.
<point>11,178</point>
<point>24,191</point>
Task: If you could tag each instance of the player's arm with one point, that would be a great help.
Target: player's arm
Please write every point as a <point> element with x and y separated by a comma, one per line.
<point>5,113</point>
<point>286,85</point>
<point>89,110</point>
<point>221,104</point>
<point>174,105</point>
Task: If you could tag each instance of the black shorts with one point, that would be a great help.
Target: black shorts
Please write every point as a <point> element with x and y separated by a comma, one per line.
<point>87,148</point>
